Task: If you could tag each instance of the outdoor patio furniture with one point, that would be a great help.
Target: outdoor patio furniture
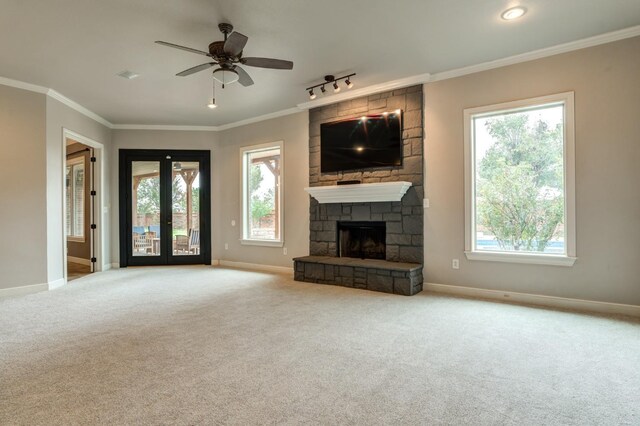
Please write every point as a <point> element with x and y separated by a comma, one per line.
<point>188,244</point>
<point>142,243</point>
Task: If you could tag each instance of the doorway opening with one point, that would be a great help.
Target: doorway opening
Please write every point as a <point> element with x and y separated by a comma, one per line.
<point>164,207</point>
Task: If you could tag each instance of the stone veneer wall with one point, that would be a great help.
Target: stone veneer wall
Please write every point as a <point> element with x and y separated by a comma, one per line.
<point>404,218</point>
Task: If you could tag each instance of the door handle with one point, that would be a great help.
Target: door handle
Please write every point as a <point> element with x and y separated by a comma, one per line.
<point>168,223</point>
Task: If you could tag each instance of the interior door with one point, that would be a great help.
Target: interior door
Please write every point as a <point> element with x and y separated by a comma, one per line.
<point>164,207</point>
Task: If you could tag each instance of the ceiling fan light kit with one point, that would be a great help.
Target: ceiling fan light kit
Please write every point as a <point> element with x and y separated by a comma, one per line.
<point>333,81</point>
<point>227,55</point>
<point>225,76</point>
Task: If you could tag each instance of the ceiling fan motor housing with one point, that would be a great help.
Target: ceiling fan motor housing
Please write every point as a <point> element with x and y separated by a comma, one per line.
<point>216,49</point>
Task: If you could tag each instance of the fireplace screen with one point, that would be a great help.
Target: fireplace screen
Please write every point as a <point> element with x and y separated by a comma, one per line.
<point>364,240</point>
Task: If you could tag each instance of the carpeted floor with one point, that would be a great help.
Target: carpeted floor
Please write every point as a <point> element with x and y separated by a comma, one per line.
<point>197,345</point>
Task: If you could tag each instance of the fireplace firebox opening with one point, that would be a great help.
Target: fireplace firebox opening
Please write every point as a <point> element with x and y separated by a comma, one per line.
<point>362,240</point>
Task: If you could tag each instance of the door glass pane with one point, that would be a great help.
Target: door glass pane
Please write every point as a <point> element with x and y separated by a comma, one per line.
<point>185,206</point>
<point>145,198</point>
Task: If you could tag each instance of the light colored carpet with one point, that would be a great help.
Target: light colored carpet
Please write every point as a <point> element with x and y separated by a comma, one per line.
<point>197,345</point>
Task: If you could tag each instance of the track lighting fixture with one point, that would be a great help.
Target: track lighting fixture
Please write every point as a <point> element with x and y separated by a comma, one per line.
<point>330,79</point>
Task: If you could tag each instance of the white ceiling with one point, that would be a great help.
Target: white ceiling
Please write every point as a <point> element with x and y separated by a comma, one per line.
<point>77,47</point>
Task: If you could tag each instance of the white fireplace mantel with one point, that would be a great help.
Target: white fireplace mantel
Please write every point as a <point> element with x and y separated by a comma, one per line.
<point>360,193</point>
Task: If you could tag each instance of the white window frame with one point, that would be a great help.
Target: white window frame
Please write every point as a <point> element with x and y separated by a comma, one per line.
<point>567,259</point>
<point>244,195</point>
<point>71,163</point>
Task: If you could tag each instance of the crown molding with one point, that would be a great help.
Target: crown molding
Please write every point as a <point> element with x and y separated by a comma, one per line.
<point>259,118</point>
<point>22,85</point>
<point>165,127</point>
<point>57,96</point>
<point>368,90</point>
<point>76,106</point>
<point>540,53</point>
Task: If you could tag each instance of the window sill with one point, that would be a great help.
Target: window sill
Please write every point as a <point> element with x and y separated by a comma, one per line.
<point>528,258</point>
<point>264,243</point>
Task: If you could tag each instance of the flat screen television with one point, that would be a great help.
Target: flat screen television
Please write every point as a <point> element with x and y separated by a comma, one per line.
<point>362,143</point>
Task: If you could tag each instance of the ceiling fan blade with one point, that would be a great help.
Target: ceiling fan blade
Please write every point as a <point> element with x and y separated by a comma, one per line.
<point>235,43</point>
<point>195,69</point>
<point>188,49</point>
<point>278,64</point>
<point>243,78</point>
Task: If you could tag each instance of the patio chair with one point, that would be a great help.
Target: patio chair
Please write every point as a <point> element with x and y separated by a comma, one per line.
<point>188,244</point>
<point>194,241</point>
<point>142,243</point>
<point>181,243</point>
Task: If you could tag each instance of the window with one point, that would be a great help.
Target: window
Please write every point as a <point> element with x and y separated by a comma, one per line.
<point>519,181</point>
<point>74,194</point>
<point>262,194</point>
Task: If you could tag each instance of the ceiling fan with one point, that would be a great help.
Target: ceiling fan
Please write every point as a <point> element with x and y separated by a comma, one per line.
<point>227,54</point>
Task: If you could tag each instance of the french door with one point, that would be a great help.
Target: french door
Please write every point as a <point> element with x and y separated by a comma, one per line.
<point>164,207</point>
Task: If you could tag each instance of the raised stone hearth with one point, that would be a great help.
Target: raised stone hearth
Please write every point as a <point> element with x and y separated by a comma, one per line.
<point>377,275</point>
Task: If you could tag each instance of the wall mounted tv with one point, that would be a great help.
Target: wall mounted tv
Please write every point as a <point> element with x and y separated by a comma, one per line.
<point>367,142</point>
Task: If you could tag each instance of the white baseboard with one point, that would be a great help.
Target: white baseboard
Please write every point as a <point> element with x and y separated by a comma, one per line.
<point>537,299</point>
<point>115,265</point>
<point>215,262</point>
<point>79,260</point>
<point>106,267</point>
<point>23,290</point>
<point>254,266</point>
<point>56,284</point>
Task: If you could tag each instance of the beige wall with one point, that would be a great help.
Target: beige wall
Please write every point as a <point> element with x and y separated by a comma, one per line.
<point>153,139</point>
<point>59,117</point>
<point>606,82</point>
<point>293,130</point>
<point>22,188</point>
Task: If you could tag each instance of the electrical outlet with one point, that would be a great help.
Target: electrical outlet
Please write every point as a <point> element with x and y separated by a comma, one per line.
<point>284,251</point>
<point>226,246</point>
<point>233,223</point>
<point>455,264</point>
<point>426,203</point>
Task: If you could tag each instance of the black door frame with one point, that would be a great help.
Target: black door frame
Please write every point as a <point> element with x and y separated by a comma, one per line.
<point>126,156</point>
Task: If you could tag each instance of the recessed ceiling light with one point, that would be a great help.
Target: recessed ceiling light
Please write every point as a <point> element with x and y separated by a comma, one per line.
<point>129,75</point>
<point>513,13</point>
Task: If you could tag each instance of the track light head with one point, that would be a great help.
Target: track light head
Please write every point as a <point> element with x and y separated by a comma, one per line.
<point>336,88</point>
<point>322,89</point>
<point>312,95</point>
<point>348,83</point>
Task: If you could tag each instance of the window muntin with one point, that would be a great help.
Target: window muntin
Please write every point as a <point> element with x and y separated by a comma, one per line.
<point>519,166</point>
<point>262,194</point>
<point>75,198</point>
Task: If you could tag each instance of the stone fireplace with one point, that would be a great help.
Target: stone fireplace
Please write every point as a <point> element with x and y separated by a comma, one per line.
<point>391,262</point>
